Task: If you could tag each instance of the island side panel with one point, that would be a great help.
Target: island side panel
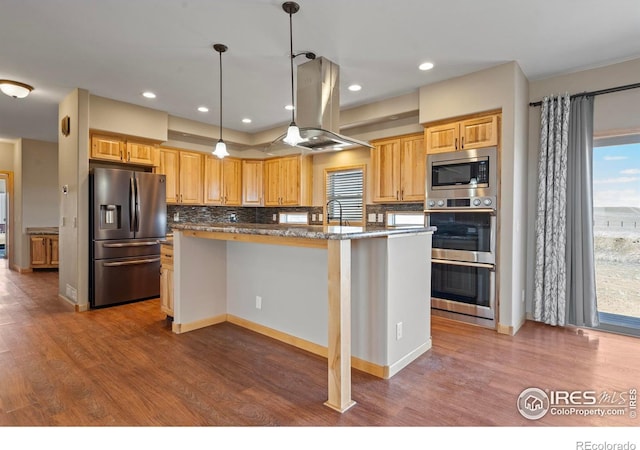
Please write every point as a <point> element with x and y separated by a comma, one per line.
<point>369,300</point>
<point>292,284</point>
<point>409,298</point>
<point>200,282</point>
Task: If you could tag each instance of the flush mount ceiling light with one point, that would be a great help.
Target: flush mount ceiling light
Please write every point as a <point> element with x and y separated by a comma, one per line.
<point>293,132</point>
<point>15,89</point>
<point>221,147</point>
<point>203,109</point>
<point>425,66</point>
<point>246,120</point>
<point>148,94</point>
<point>354,87</point>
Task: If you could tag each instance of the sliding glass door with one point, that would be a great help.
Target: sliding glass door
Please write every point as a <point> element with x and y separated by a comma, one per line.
<point>616,193</point>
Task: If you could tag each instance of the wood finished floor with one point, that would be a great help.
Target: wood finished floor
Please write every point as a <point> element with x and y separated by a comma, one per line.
<point>122,366</point>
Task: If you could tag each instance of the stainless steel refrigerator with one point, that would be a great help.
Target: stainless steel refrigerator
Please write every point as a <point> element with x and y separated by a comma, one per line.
<point>128,218</point>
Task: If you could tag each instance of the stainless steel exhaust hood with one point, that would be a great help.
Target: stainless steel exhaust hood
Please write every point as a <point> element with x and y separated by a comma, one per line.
<point>318,109</point>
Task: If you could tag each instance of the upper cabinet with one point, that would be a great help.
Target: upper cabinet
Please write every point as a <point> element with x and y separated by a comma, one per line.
<point>287,181</point>
<point>222,181</point>
<point>399,166</point>
<point>123,150</point>
<point>184,175</point>
<point>466,134</point>
<point>252,182</point>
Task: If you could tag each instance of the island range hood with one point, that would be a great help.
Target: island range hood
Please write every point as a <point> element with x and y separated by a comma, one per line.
<point>318,109</point>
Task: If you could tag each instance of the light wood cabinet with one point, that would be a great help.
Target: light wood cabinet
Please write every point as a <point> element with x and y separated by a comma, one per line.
<point>399,166</point>
<point>222,181</point>
<point>166,279</point>
<point>184,175</point>
<point>252,182</point>
<point>477,132</point>
<point>44,251</point>
<point>123,150</point>
<point>287,181</point>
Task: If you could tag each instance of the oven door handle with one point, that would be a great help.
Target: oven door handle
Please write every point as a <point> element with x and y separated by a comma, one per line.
<point>491,267</point>
<point>462,210</point>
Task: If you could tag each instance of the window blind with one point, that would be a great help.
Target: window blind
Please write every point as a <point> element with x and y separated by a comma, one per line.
<point>346,187</point>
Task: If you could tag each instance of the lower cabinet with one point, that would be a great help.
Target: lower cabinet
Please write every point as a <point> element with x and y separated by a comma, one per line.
<point>166,279</point>
<point>44,251</point>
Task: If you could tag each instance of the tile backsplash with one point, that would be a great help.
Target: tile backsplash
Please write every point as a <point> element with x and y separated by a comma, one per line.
<point>231,214</point>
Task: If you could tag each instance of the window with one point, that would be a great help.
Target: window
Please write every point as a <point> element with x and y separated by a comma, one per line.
<point>294,218</point>
<point>345,195</point>
<point>616,210</point>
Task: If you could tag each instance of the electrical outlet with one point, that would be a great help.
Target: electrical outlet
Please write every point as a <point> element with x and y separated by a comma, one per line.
<point>522,297</point>
<point>320,218</point>
<point>398,331</point>
<point>176,217</point>
<point>313,217</point>
<point>371,217</point>
<point>380,218</point>
<point>274,217</point>
<point>258,302</point>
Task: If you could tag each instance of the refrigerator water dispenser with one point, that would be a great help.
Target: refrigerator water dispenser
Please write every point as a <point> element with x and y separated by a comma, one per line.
<point>110,217</point>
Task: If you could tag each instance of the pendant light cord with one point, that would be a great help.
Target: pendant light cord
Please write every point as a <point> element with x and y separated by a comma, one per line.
<point>220,53</point>
<point>293,105</point>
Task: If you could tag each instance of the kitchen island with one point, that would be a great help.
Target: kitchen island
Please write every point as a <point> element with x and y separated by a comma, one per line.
<point>351,294</point>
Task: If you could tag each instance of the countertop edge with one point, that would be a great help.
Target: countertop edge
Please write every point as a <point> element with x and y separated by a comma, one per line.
<point>307,232</point>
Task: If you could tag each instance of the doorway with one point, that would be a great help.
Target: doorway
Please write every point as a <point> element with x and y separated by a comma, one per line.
<point>6,190</point>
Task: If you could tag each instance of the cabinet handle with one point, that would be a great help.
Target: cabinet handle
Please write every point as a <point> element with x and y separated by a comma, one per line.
<point>128,156</point>
<point>402,194</point>
<point>456,144</point>
<point>397,195</point>
<point>462,142</point>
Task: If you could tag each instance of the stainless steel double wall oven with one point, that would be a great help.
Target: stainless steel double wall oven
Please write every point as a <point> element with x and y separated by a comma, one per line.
<point>462,202</point>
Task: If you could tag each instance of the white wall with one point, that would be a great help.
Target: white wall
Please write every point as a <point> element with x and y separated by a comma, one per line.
<point>613,113</point>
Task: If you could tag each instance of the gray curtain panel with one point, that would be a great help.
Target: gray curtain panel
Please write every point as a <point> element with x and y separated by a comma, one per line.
<point>550,283</point>
<point>581,285</point>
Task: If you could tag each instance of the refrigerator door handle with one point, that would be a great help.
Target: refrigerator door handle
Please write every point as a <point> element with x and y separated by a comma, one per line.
<point>132,205</point>
<point>131,263</point>
<point>130,244</point>
<point>137,222</point>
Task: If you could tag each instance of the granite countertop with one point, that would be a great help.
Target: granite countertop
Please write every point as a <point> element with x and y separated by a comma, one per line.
<point>42,230</point>
<point>301,231</point>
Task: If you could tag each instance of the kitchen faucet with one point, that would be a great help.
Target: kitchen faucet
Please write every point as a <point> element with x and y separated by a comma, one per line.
<point>328,215</point>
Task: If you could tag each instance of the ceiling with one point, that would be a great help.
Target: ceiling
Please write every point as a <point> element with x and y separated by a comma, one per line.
<point>120,48</point>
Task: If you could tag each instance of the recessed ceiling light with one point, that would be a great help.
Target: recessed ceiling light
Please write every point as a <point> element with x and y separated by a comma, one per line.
<point>246,120</point>
<point>149,94</point>
<point>289,107</point>
<point>203,109</point>
<point>425,66</point>
<point>354,87</point>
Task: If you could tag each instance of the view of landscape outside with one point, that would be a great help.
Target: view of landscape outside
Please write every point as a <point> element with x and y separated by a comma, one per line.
<point>616,198</point>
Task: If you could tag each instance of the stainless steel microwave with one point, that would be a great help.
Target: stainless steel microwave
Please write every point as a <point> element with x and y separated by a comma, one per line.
<point>462,174</point>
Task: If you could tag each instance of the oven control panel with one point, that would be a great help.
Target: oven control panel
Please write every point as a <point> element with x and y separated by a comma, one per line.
<point>462,203</point>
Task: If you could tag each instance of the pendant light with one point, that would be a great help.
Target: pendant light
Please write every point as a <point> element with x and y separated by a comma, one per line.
<point>293,132</point>
<point>221,147</point>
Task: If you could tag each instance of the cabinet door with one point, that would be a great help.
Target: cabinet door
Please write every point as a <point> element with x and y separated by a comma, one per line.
<point>290,181</point>
<point>385,161</point>
<point>478,133</point>
<point>413,169</point>
<point>443,138</point>
<point>53,250</point>
<point>272,182</point>
<point>166,291</point>
<point>38,250</point>
<point>213,193</point>
<point>191,191</point>
<point>169,165</point>
<point>232,181</point>
<point>108,148</point>
<point>252,182</point>
<point>141,153</point>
